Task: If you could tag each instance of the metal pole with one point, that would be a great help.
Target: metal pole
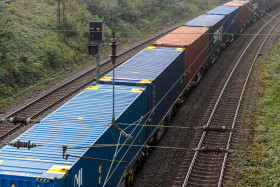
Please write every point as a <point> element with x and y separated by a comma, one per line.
<point>97,65</point>
<point>113,57</point>
<point>113,119</point>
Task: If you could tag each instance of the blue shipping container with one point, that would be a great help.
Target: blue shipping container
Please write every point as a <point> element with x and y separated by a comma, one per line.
<point>216,25</point>
<point>161,69</point>
<point>83,121</point>
<point>232,19</point>
<point>263,6</point>
<point>254,6</point>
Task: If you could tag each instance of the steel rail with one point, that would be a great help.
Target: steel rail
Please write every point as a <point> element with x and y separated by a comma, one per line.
<point>217,103</point>
<point>88,72</point>
<point>105,62</point>
<point>239,105</point>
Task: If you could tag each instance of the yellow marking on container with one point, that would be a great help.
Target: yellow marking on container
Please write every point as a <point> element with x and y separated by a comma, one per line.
<point>135,72</point>
<point>150,47</point>
<point>100,167</point>
<point>125,174</point>
<point>37,179</point>
<point>139,140</point>
<point>13,185</point>
<point>93,87</point>
<point>1,161</point>
<point>58,169</point>
<point>146,81</point>
<point>100,179</point>
<point>33,159</point>
<point>180,49</point>
<point>81,118</point>
<point>137,90</point>
<point>105,79</point>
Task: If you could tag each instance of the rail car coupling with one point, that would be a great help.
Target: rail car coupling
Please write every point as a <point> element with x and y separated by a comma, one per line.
<point>17,119</point>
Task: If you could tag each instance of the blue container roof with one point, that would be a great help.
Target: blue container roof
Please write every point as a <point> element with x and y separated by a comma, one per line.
<point>146,66</point>
<point>205,20</point>
<point>223,10</point>
<point>80,122</point>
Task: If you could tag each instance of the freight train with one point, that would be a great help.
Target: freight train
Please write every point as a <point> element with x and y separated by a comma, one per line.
<point>79,145</point>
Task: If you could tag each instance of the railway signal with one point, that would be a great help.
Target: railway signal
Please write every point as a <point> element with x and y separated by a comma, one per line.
<point>96,36</point>
<point>96,31</point>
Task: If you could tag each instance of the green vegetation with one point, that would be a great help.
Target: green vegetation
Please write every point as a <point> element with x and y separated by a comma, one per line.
<point>31,50</point>
<point>33,53</point>
<point>262,166</point>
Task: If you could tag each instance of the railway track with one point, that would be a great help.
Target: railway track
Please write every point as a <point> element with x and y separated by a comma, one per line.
<point>56,97</point>
<point>208,164</point>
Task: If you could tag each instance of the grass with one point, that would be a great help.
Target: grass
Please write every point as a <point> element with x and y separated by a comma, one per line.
<point>262,164</point>
<point>37,55</point>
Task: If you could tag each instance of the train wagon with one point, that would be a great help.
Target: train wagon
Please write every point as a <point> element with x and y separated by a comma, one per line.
<point>259,7</point>
<point>244,12</point>
<point>272,4</point>
<point>232,20</point>
<point>195,41</point>
<point>254,10</point>
<point>83,121</point>
<point>216,25</point>
<point>161,70</point>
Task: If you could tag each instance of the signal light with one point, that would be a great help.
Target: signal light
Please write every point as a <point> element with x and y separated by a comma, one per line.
<point>96,31</point>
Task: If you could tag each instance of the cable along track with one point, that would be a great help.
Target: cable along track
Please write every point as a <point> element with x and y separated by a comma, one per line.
<point>208,164</point>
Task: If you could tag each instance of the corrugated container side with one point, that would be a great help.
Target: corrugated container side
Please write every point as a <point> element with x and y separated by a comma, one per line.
<point>273,4</point>
<point>98,171</point>
<point>161,70</point>
<point>216,25</point>
<point>244,11</point>
<point>254,5</point>
<point>232,18</point>
<point>195,40</point>
<point>82,121</point>
<point>10,181</point>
